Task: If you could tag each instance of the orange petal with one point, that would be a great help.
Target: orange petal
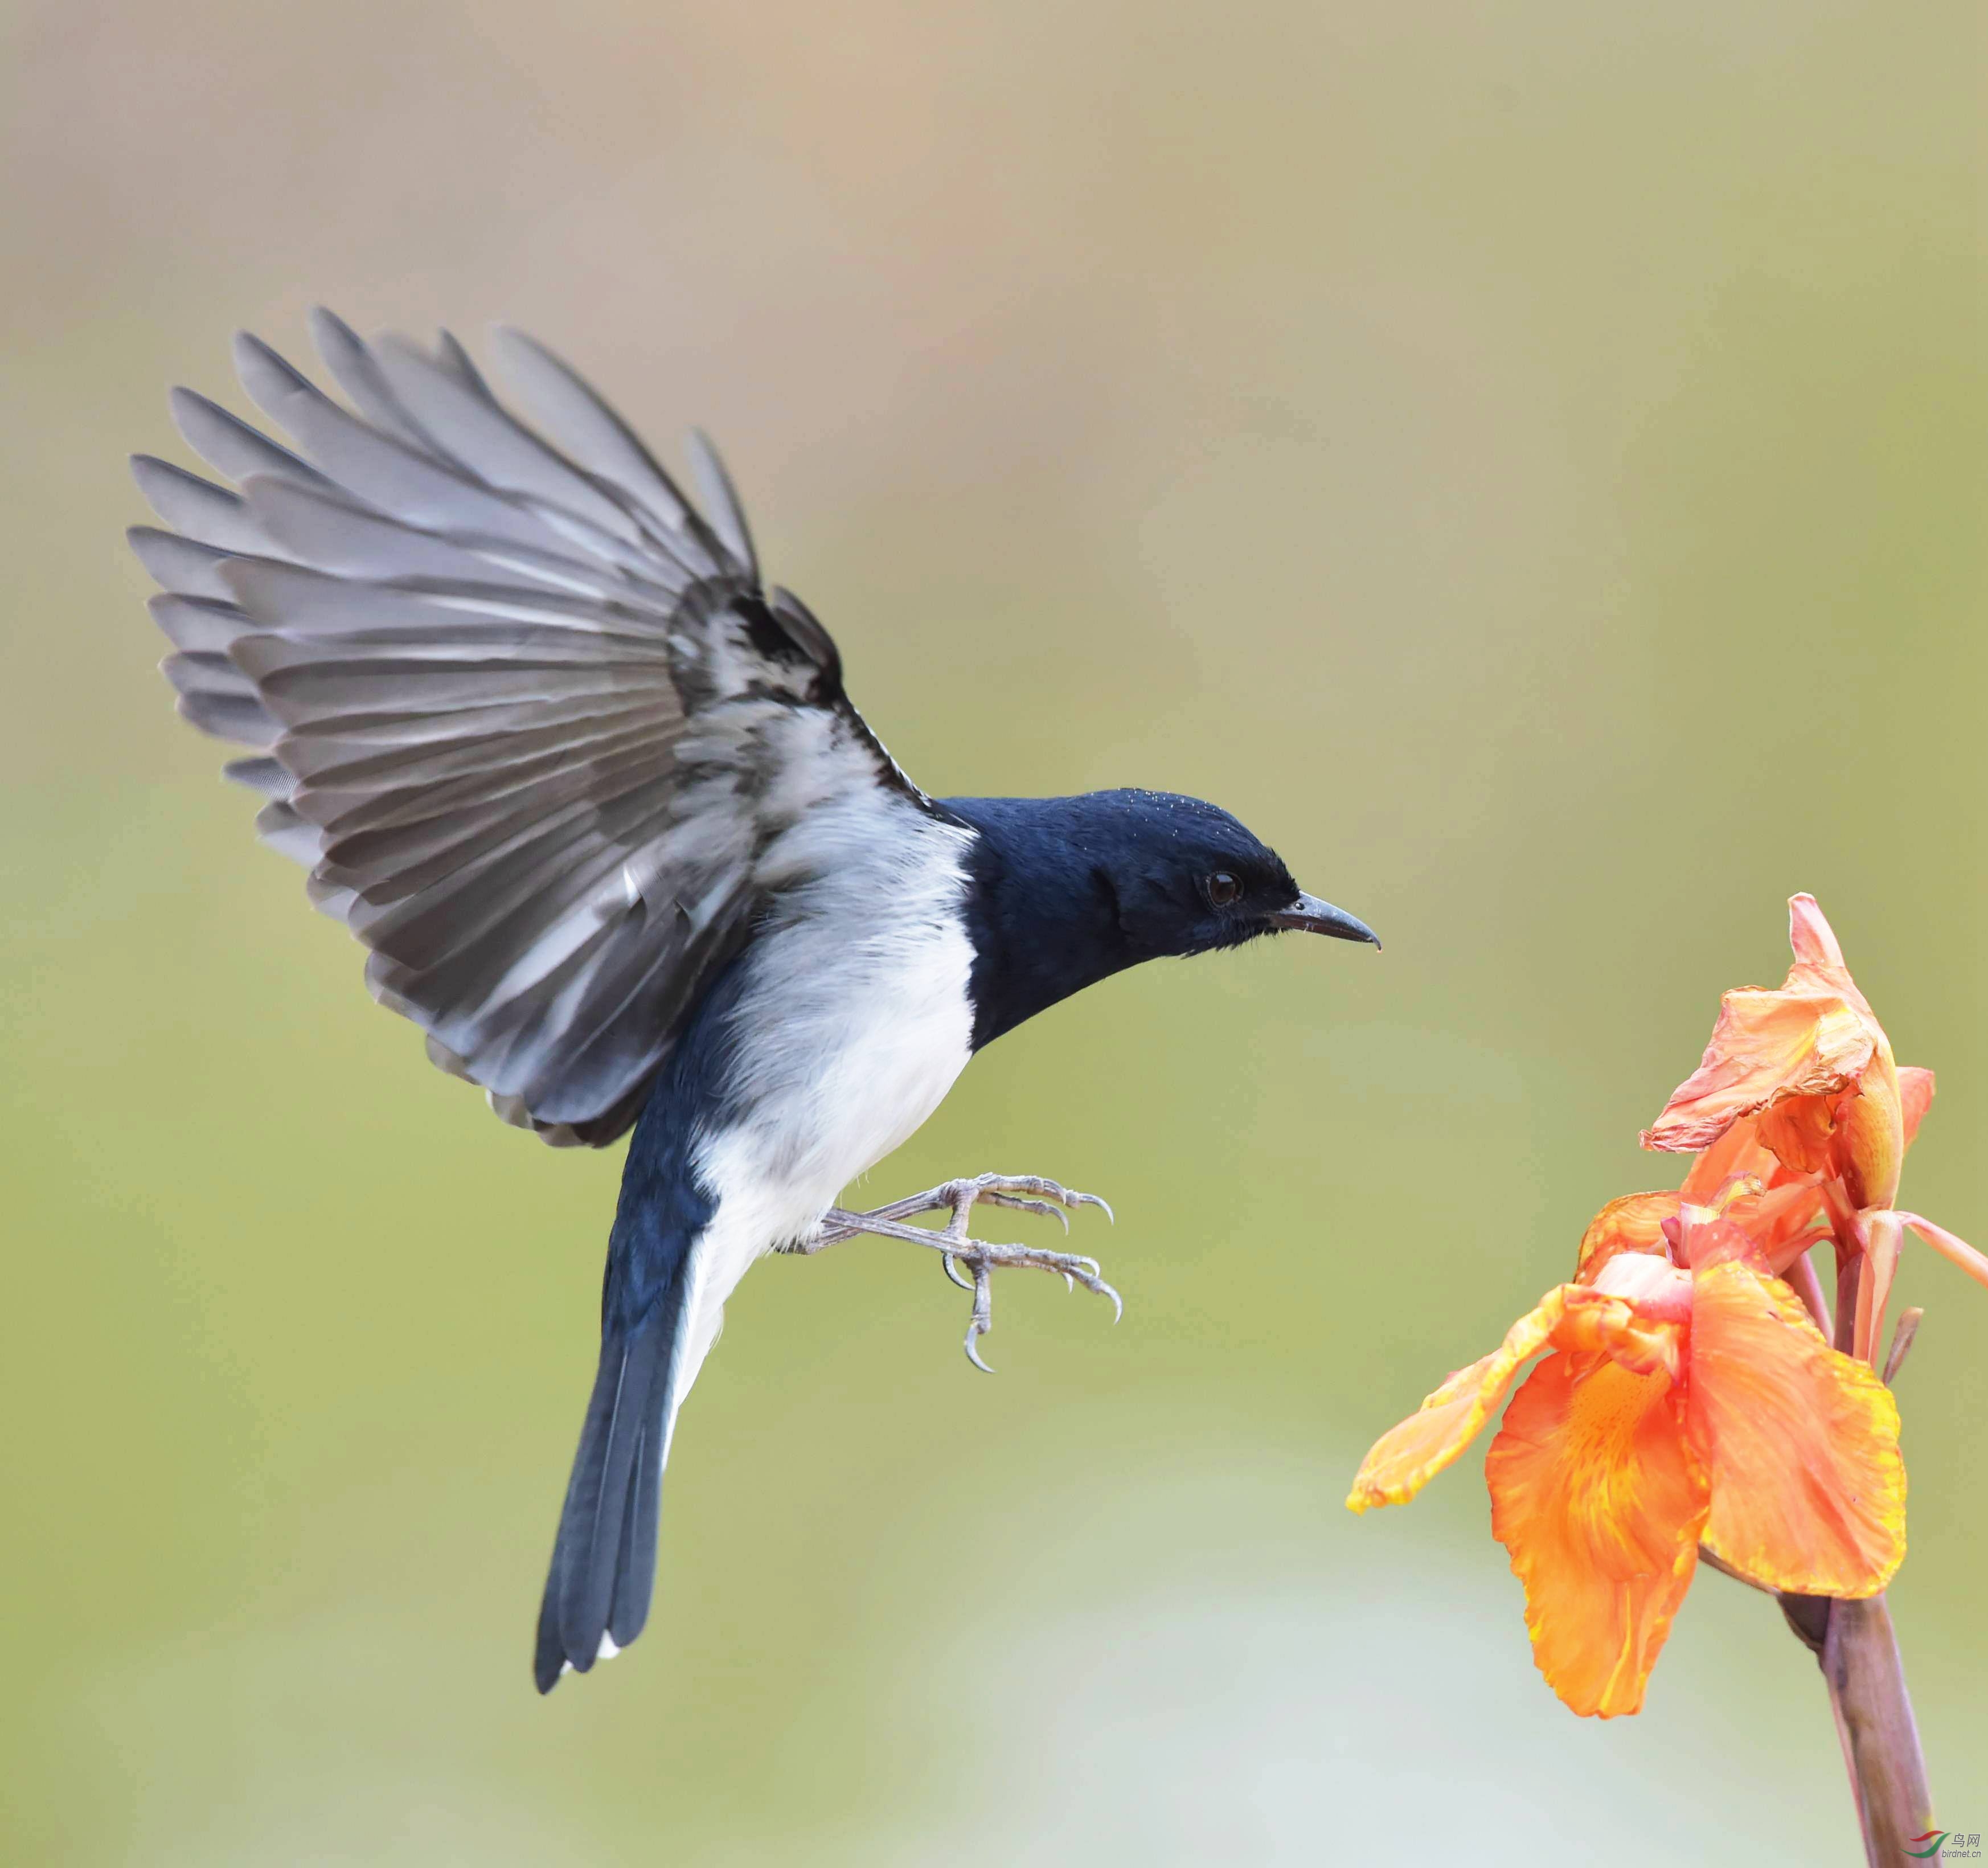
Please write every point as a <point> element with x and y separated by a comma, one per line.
<point>1782,1222</point>
<point>1914,1097</point>
<point>1802,1132</point>
<point>1811,938</point>
<point>1808,1490</point>
<point>1739,1151</point>
<point>1643,1328</point>
<point>1633,1224</point>
<point>1870,1148</point>
<point>1406,1457</point>
<point>1712,1238</point>
<point>1767,1046</point>
<point>1819,966</point>
<point>1596,1494</point>
<point>1957,1251</point>
<point>1884,1233</point>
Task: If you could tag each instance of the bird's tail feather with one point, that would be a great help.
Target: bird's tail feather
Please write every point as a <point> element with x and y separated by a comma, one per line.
<point>603,1568</point>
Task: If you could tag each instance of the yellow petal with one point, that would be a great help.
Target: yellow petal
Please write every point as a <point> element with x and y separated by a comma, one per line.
<point>1873,1146</point>
<point>1596,1494</point>
<point>1406,1457</point>
<point>1801,1443</point>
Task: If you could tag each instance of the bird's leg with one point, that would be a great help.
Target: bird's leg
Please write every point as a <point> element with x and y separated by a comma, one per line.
<point>1024,1192</point>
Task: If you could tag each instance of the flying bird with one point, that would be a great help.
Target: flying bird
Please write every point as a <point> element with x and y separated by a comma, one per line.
<point>597,801</point>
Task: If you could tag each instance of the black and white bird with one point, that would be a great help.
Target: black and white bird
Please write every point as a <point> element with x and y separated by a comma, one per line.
<point>621,846</point>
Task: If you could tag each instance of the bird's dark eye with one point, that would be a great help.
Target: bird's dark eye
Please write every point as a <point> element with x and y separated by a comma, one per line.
<point>1222,887</point>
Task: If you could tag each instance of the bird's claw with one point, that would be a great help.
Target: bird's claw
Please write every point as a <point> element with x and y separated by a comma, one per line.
<point>971,1262</point>
<point>1041,1209</point>
<point>1052,1199</point>
<point>1024,1193</point>
<point>982,1260</point>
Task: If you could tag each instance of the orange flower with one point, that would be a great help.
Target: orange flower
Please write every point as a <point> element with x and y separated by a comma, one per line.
<point>1811,1063</point>
<point>1686,1395</point>
<point>1799,1095</point>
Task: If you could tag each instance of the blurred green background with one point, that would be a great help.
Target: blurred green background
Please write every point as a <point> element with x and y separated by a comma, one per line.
<point>1528,462</point>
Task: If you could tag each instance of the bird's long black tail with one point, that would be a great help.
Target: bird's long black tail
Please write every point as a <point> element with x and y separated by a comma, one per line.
<point>604,1571</point>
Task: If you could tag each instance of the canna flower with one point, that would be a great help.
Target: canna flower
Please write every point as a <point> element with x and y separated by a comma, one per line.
<point>1812,1066</point>
<point>1686,1397</point>
<point>1691,1395</point>
<point>1800,1098</point>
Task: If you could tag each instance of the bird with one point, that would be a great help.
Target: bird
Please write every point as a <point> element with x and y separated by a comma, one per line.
<point>595,798</point>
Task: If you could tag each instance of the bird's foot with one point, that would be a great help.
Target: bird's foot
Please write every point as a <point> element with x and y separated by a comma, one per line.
<point>971,1262</point>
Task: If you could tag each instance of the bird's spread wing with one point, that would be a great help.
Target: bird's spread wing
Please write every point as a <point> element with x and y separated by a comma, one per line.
<point>523,711</point>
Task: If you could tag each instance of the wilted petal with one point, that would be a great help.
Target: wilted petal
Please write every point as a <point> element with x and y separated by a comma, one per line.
<point>1595,1493</point>
<point>1819,966</point>
<point>1766,1047</point>
<point>1633,1224</point>
<point>1406,1457</point>
<point>1868,1147</point>
<point>1810,937</point>
<point>1808,1490</point>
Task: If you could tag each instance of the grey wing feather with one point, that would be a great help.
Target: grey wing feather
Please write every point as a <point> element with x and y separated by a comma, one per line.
<point>726,513</point>
<point>178,564</point>
<point>596,438</point>
<point>203,513</point>
<point>522,711</point>
<point>228,444</point>
<point>354,369</point>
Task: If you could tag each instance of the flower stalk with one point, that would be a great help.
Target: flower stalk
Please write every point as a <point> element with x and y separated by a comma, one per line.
<point>1857,1649</point>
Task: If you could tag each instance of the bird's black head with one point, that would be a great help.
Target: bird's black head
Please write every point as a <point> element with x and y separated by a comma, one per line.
<point>1069,891</point>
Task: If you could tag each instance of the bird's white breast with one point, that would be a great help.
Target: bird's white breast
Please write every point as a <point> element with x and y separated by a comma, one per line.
<point>853,1023</point>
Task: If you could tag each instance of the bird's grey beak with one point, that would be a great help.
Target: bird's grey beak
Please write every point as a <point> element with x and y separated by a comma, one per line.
<point>1313,916</point>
